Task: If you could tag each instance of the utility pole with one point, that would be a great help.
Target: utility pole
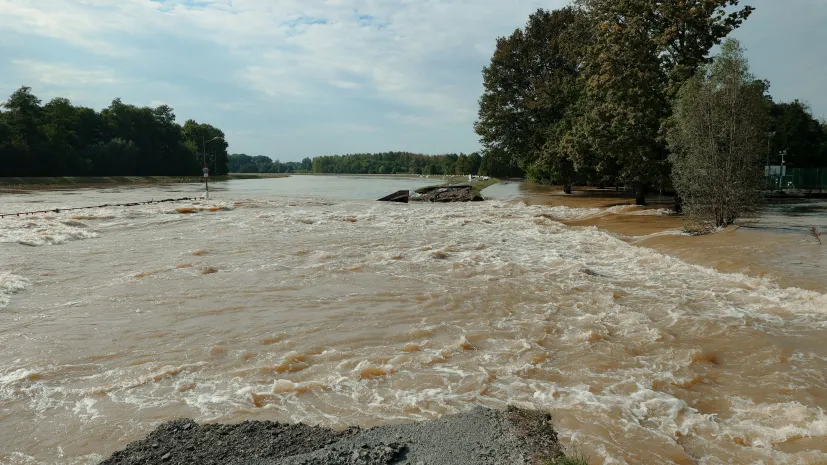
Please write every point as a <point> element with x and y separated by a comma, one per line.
<point>783,171</point>
<point>769,140</point>
<point>206,169</point>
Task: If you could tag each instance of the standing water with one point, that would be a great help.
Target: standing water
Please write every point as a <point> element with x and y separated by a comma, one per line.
<point>302,299</point>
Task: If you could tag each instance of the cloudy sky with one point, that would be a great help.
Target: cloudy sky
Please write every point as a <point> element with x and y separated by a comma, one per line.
<point>296,78</point>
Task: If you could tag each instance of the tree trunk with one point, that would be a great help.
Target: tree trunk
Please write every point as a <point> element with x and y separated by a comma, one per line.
<point>678,204</point>
<point>640,193</point>
<point>567,188</point>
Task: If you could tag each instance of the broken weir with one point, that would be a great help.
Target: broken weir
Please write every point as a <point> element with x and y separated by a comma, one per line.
<point>449,193</point>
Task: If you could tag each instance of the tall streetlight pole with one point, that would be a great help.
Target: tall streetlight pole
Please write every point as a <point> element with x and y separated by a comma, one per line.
<point>770,135</point>
<point>206,170</point>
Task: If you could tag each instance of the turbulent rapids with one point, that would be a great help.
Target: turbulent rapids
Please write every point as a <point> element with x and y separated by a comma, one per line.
<point>334,310</point>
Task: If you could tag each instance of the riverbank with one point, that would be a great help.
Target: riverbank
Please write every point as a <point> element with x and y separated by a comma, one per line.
<point>481,436</point>
<point>109,181</point>
<point>775,245</point>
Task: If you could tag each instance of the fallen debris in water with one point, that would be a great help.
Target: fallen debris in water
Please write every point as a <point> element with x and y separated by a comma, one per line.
<point>398,196</point>
<point>442,194</point>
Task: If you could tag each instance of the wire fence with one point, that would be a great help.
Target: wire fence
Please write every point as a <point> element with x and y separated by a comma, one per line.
<point>807,180</point>
<point>130,204</point>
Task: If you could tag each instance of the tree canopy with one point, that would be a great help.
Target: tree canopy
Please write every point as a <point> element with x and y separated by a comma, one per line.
<point>61,139</point>
<point>584,93</point>
<point>799,134</point>
<point>243,163</point>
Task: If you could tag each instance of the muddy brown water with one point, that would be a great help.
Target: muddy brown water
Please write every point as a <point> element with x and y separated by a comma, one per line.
<point>302,299</point>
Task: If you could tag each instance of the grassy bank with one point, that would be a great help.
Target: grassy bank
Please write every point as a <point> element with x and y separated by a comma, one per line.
<point>79,181</point>
<point>476,186</point>
<point>480,185</point>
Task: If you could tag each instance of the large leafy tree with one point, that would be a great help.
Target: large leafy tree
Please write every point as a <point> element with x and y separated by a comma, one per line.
<point>530,89</point>
<point>19,148</point>
<point>210,145</point>
<point>586,90</point>
<point>624,100</point>
<point>641,52</point>
<point>716,135</point>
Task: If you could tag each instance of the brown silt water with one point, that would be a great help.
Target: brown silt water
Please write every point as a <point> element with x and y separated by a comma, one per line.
<point>303,299</point>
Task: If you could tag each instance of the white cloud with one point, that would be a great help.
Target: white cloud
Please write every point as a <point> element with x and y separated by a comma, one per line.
<point>70,22</point>
<point>412,119</point>
<point>293,48</point>
<point>66,74</point>
<point>404,65</point>
<point>344,84</point>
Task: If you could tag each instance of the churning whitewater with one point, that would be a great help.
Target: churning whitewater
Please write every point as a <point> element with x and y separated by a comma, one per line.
<point>337,311</point>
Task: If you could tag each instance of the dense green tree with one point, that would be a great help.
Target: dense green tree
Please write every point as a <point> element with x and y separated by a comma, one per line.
<point>583,93</point>
<point>531,88</point>
<point>22,129</point>
<point>60,139</point>
<point>212,147</point>
<point>117,157</point>
<point>716,137</point>
<point>798,133</point>
<point>823,159</point>
<point>497,163</point>
<point>640,53</point>
<point>623,93</point>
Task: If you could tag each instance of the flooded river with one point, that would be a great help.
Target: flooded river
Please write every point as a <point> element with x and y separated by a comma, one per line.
<point>302,299</point>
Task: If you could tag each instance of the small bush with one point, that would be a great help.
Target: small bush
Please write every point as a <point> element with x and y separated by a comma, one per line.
<point>815,233</point>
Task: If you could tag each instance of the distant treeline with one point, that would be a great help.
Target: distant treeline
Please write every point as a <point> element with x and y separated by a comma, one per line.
<point>398,163</point>
<point>60,139</point>
<point>243,163</point>
<point>381,163</point>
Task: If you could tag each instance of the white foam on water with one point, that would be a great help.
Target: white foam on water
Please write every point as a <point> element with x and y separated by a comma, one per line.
<point>10,284</point>
<point>763,425</point>
<point>19,458</point>
<point>64,226</point>
<point>85,409</point>
<point>651,212</point>
<point>547,346</point>
<point>12,378</point>
<point>43,230</point>
<point>563,213</point>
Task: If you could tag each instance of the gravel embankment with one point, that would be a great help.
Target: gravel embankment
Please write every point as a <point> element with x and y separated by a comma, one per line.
<point>480,437</point>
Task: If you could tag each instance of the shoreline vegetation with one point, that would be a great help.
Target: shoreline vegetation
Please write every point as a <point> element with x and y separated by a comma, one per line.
<point>59,139</point>
<point>629,94</point>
